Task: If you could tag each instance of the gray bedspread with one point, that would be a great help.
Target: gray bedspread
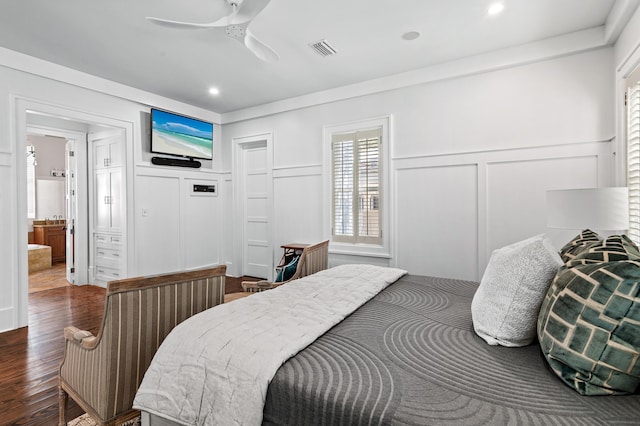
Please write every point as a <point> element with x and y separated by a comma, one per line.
<point>410,356</point>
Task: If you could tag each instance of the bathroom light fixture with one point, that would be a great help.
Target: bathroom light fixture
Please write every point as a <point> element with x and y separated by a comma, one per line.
<point>214,91</point>
<point>495,8</point>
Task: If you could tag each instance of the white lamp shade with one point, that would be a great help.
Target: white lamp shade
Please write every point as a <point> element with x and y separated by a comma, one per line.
<point>599,209</point>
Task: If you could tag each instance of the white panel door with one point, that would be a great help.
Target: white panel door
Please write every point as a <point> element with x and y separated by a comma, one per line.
<point>108,184</point>
<point>109,200</point>
<point>116,199</point>
<point>102,200</point>
<point>107,151</point>
<point>257,206</point>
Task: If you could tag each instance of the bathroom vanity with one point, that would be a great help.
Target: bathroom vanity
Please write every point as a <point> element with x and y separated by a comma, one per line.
<point>52,235</point>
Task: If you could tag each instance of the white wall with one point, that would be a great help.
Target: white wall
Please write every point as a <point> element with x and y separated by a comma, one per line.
<point>198,239</point>
<point>49,154</point>
<point>176,229</point>
<point>472,158</point>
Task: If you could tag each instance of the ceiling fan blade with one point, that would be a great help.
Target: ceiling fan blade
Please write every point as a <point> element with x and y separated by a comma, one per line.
<point>222,22</point>
<point>259,49</point>
<point>188,25</point>
<point>243,12</point>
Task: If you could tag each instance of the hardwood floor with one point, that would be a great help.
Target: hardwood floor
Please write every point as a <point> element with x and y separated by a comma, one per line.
<point>30,356</point>
<point>54,277</point>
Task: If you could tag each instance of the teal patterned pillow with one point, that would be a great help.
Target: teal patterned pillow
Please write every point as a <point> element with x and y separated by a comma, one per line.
<point>613,248</point>
<point>589,327</point>
<point>582,241</point>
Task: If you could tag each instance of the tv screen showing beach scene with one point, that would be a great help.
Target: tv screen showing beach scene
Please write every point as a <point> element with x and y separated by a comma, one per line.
<point>175,134</point>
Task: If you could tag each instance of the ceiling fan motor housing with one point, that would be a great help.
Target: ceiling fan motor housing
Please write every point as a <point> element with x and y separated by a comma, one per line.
<point>235,31</point>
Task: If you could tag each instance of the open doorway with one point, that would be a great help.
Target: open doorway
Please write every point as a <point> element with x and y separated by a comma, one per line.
<point>51,193</point>
<point>55,183</point>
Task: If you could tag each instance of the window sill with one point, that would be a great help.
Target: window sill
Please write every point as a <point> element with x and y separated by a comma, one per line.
<point>365,250</point>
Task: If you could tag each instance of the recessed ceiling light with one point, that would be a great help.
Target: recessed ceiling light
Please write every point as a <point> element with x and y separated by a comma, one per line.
<point>411,35</point>
<point>214,91</point>
<point>495,8</point>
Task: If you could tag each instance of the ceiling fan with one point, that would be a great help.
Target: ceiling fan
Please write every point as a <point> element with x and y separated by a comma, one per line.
<point>236,25</point>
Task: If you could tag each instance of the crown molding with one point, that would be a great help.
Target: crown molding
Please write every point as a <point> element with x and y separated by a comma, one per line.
<point>32,65</point>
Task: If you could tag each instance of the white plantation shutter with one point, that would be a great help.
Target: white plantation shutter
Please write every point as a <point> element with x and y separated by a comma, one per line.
<point>368,185</point>
<point>356,193</point>
<point>633,160</point>
<point>343,186</point>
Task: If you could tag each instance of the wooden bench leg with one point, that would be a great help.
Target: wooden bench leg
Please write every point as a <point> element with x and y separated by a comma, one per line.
<point>62,409</point>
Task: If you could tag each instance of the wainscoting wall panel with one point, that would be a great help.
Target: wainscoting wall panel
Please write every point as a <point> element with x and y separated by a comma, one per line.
<point>158,224</point>
<point>176,228</point>
<point>298,203</point>
<point>453,210</point>
<point>227,224</point>
<point>437,220</point>
<point>10,299</point>
<point>199,246</point>
<point>516,194</point>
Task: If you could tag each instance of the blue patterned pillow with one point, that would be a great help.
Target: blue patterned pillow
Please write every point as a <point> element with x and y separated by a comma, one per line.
<point>589,325</point>
<point>613,248</point>
<point>581,242</point>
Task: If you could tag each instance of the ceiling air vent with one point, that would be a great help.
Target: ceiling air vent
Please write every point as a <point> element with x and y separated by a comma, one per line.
<point>323,48</point>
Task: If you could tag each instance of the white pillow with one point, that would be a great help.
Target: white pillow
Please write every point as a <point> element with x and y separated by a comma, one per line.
<point>506,305</point>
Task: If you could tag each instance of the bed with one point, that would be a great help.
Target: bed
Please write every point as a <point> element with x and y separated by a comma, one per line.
<point>410,355</point>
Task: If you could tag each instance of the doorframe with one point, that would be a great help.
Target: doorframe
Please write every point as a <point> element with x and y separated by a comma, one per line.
<point>239,145</point>
<point>20,107</point>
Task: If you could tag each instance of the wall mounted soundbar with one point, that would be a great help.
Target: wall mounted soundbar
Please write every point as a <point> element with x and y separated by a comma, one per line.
<point>177,162</point>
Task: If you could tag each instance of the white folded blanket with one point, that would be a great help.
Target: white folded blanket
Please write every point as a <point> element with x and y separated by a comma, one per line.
<point>215,367</point>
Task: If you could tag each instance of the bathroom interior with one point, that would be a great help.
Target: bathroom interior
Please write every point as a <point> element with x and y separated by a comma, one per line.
<point>47,212</point>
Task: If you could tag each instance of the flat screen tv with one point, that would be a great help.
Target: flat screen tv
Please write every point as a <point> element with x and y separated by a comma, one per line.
<point>179,135</point>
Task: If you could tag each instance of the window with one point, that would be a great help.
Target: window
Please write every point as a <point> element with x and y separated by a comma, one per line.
<point>633,159</point>
<point>357,182</point>
<point>356,186</point>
